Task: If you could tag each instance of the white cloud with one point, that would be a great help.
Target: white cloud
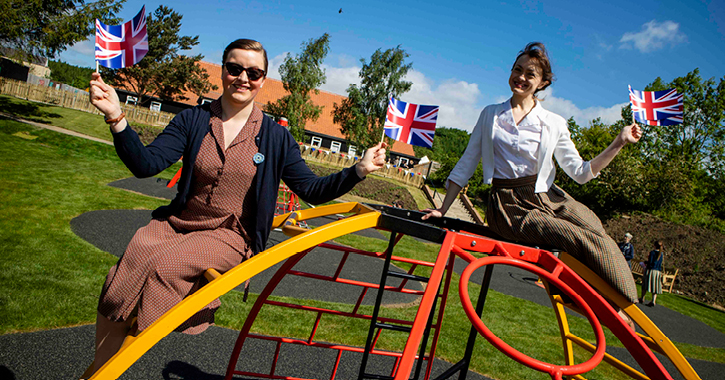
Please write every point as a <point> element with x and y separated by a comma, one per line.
<point>274,64</point>
<point>87,47</point>
<point>653,36</point>
<point>80,54</point>
<point>458,99</point>
<point>566,108</point>
<point>340,78</point>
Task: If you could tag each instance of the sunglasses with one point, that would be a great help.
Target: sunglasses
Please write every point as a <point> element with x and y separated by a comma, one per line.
<point>236,70</point>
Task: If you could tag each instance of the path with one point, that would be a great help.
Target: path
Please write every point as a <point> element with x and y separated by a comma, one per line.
<point>456,211</point>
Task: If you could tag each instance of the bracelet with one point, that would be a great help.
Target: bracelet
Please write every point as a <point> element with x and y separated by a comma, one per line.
<point>116,120</point>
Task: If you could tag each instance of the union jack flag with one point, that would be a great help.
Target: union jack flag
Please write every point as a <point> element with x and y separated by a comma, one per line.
<point>657,107</point>
<point>119,46</point>
<point>413,124</point>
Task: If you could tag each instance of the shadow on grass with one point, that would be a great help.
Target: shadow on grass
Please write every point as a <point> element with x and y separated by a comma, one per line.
<point>29,111</point>
<point>698,303</point>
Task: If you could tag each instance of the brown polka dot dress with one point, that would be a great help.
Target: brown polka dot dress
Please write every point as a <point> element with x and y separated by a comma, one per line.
<point>165,261</point>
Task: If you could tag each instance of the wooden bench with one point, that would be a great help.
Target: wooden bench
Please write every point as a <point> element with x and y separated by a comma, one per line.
<point>668,278</point>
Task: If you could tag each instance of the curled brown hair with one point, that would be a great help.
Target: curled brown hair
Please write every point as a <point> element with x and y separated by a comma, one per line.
<point>537,52</point>
<point>246,44</point>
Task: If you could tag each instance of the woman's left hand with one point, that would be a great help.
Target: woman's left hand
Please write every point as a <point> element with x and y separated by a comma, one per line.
<point>374,159</point>
<point>631,133</point>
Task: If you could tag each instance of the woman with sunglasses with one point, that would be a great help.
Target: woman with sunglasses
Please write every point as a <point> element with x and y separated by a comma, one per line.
<point>234,157</point>
<point>516,141</point>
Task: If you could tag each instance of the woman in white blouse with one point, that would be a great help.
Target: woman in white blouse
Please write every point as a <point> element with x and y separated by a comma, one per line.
<point>517,142</point>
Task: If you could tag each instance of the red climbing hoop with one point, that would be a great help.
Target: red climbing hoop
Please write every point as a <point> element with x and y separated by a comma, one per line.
<point>555,371</point>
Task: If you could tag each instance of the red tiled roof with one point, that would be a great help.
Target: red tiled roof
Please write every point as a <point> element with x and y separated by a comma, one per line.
<point>273,90</point>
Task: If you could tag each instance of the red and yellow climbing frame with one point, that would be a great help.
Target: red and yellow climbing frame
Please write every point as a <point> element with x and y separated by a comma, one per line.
<point>587,294</point>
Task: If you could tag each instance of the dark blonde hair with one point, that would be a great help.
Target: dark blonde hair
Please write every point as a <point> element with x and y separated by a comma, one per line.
<point>660,246</point>
<point>537,52</point>
<point>246,44</point>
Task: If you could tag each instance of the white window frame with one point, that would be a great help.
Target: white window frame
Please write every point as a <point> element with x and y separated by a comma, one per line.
<point>403,162</point>
<point>205,101</point>
<point>351,150</point>
<point>316,142</point>
<point>155,106</point>
<point>131,100</point>
<point>335,147</point>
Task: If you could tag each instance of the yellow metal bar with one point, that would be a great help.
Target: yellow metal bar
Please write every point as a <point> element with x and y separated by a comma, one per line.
<point>558,305</point>
<point>168,322</point>
<point>614,362</point>
<point>311,213</point>
<point>659,338</point>
<point>291,230</point>
<point>211,274</point>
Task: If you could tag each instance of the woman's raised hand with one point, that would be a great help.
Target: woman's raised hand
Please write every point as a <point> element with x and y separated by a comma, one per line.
<point>104,97</point>
<point>631,133</point>
<point>373,160</point>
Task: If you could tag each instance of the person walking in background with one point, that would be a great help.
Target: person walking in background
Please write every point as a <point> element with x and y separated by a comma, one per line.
<point>627,249</point>
<point>652,280</point>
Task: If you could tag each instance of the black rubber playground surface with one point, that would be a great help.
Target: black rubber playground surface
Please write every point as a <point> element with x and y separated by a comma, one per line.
<point>64,353</point>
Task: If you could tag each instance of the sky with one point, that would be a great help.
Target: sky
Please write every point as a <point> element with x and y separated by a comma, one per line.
<point>462,51</point>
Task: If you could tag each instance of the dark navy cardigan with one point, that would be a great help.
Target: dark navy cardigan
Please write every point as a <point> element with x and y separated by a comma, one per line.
<point>183,137</point>
<point>653,262</point>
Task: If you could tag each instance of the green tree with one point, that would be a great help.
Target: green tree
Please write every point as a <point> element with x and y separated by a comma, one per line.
<point>361,115</point>
<point>47,27</point>
<point>700,140</point>
<point>163,72</point>
<point>448,142</point>
<point>620,186</point>
<point>71,75</point>
<point>301,75</point>
<point>691,155</point>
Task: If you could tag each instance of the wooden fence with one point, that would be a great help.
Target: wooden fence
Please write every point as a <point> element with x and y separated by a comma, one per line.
<point>342,160</point>
<point>79,101</point>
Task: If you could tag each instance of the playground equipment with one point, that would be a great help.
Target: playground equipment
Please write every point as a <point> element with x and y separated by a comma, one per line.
<point>457,239</point>
<point>287,201</point>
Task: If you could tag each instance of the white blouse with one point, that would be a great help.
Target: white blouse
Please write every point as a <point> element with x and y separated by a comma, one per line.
<point>516,147</point>
<point>555,143</point>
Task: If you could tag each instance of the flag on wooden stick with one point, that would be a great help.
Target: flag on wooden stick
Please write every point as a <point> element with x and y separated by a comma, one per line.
<point>413,124</point>
<point>657,107</point>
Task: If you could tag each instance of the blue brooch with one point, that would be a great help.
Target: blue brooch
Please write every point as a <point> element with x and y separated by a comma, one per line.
<point>258,158</point>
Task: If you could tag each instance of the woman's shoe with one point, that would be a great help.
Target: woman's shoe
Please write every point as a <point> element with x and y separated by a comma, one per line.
<point>651,304</point>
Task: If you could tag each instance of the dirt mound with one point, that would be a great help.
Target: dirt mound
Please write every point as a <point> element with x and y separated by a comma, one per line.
<point>698,253</point>
<point>375,189</point>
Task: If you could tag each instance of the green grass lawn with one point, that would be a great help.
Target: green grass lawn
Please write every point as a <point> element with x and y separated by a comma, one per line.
<point>51,278</point>
<point>74,120</point>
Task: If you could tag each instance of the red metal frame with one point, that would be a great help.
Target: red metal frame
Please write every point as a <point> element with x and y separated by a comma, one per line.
<point>555,371</point>
<point>175,179</point>
<point>403,363</point>
<point>456,244</point>
<point>551,264</point>
<point>287,201</point>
